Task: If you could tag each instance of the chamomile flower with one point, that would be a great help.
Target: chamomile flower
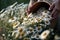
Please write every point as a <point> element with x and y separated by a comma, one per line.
<point>43,13</point>
<point>30,15</point>
<point>25,19</point>
<point>14,32</point>
<point>17,34</point>
<point>1,15</point>
<point>12,19</point>
<point>3,34</point>
<point>20,29</point>
<point>47,22</point>
<point>44,34</point>
<point>15,24</point>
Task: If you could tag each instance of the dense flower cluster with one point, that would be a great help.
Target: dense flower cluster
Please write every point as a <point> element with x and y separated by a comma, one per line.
<point>18,25</point>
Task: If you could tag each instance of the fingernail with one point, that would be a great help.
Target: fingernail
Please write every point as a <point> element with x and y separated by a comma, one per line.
<point>49,9</point>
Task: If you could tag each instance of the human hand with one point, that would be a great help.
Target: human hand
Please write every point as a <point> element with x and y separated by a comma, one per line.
<point>30,5</point>
<point>55,7</point>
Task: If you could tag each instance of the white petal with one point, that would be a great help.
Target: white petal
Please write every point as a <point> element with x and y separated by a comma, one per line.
<point>44,34</point>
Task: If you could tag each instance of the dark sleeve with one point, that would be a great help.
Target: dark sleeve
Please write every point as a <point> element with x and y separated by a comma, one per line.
<point>57,27</point>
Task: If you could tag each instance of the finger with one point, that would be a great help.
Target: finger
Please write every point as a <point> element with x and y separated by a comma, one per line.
<point>27,10</point>
<point>52,6</point>
<point>29,7</point>
<point>54,13</point>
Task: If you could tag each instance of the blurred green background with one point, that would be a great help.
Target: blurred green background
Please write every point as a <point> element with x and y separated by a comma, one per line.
<point>5,3</point>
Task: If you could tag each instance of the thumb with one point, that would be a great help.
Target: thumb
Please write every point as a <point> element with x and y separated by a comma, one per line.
<point>52,6</point>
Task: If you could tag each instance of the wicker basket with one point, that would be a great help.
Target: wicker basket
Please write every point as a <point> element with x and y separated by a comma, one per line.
<point>45,4</point>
